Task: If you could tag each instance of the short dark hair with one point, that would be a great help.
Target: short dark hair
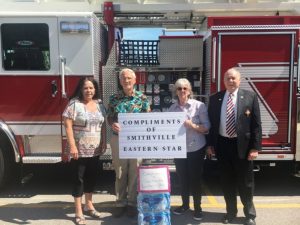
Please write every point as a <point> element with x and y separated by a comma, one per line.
<point>78,91</point>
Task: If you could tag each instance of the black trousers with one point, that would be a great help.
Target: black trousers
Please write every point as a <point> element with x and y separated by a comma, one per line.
<point>236,176</point>
<point>85,175</point>
<point>189,172</point>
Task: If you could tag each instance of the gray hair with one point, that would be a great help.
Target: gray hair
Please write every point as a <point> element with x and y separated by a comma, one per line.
<point>180,83</point>
<point>126,70</point>
<point>232,71</point>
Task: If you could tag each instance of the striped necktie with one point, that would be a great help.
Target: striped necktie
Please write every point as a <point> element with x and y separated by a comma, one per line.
<point>230,117</point>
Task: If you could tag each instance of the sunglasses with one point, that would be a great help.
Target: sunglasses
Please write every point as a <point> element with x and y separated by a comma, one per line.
<point>182,88</point>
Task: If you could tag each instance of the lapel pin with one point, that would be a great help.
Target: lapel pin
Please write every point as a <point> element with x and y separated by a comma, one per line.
<point>247,112</point>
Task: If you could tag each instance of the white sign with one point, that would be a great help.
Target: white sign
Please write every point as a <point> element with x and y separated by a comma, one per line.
<point>152,135</point>
<point>154,179</point>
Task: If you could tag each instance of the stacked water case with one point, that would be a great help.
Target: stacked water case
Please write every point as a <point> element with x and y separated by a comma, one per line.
<point>153,204</point>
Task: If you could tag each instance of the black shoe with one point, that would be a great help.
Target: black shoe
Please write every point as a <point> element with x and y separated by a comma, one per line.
<point>131,211</point>
<point>249,221</point>
<point>119,211</point>
<point>228,219</point>
<point>198,215</point>
<point>180,210</point>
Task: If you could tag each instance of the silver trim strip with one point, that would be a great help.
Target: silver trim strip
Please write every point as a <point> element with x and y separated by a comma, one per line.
<point>36,129</point>
<point>40,159</point>
<point>33,122</point>
<point>298,71</point>
<point>291,78</point>
<point>219,63</point>
<point>256,33</point>
<point>257,27</point>
<point>214,60</point>
<point>63,86</point>
<point>275,157</point>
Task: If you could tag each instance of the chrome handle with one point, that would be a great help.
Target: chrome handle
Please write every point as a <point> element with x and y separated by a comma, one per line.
<point>63,86</point>
<point>214,52</point>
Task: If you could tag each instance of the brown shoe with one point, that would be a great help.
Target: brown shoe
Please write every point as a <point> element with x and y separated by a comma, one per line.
<point>119,211</point>
<point>131,211</point>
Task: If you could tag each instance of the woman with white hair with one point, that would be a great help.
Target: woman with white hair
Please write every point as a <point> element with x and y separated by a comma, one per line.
<point>190,169</point>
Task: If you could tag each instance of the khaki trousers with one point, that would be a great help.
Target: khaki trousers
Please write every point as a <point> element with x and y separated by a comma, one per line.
<point>126,176</point>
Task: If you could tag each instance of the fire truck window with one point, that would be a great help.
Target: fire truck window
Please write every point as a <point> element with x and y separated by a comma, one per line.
<point>25,46</point>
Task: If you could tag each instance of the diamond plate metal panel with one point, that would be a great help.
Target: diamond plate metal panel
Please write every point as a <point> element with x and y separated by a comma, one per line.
<point>207,66</point>
<point>96,45</point>
<point>110,81</point>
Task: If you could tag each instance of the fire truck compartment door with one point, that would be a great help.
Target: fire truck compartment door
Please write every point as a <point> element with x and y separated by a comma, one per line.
<point>29,47</point>
<point>76,45</point>
<point>265,60</point>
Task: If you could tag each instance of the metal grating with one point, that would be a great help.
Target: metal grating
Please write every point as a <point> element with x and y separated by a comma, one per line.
<point>138,53</point>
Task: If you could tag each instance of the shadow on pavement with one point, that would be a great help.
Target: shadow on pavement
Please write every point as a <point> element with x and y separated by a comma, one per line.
<point>25,213</point>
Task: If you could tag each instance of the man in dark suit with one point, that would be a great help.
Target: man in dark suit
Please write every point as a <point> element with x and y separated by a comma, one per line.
<point>235,139</point>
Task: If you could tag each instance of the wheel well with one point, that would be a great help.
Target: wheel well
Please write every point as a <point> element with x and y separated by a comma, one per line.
<point>6,146</point>
<point>8,164</point>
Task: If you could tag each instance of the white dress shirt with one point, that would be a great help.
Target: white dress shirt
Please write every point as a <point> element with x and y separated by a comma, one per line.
<point>222,127</point>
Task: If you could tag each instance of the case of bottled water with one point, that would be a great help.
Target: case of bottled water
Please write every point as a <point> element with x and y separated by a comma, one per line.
<point>159,218</point>
<point>153,202</point>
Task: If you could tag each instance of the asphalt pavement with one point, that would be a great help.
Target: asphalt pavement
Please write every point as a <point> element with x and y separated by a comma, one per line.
<point>45,199</point>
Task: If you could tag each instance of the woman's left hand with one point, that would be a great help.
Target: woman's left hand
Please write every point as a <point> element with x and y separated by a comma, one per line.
<point>198,127</point>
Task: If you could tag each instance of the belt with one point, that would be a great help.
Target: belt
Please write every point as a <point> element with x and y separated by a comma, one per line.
<point>228,138</point>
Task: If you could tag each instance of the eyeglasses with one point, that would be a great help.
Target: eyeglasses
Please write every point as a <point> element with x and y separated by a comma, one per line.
<point>182,88</point>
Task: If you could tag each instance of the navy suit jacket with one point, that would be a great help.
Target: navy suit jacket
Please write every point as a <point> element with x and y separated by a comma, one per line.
<point>248,122</point>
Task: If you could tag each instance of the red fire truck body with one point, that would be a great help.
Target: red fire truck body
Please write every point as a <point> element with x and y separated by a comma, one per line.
<point>266,52</point>
<point>43,57</point>
<point>44,54</point>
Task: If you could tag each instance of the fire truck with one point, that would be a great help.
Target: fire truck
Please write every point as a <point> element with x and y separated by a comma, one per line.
<point>45,50</point>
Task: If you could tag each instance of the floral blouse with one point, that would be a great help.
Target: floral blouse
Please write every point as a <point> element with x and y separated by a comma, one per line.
<point>86,127</point>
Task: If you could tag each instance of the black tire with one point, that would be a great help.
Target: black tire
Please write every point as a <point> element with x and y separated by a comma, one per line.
<point>6,167</point>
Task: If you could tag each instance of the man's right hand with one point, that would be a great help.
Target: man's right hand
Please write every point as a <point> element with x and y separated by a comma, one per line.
<point>210,152</point>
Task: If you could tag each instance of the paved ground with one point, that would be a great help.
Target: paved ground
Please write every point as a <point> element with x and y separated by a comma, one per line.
<point>45,199</point>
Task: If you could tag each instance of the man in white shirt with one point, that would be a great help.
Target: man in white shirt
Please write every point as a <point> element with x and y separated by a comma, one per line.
<point>235,138</point>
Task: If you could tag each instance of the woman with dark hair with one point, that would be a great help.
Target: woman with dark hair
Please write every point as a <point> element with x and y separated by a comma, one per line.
<point>83,119</point>
<point>190,169</point>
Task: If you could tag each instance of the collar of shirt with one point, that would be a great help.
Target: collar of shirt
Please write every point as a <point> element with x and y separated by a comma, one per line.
<point>234,93</point>
<point>187,105</point>
<point>122,94</point>
<point>222,127</point>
